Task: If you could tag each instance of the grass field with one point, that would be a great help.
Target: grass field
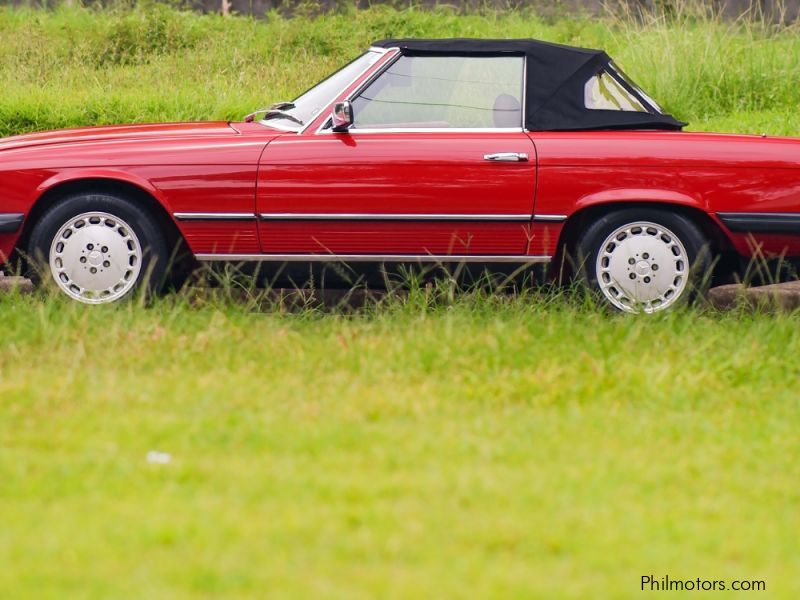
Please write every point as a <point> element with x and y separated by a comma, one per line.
<point>454,447</point>
<point>490,448</point>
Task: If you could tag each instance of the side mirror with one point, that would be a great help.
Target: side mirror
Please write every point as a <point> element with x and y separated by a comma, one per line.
<point>342,116</point>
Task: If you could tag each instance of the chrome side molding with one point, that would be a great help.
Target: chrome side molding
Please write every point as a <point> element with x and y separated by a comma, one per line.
<point>398,258</point>
<point>286,216</point>
<point>550,218</point>
<point>209,216</point>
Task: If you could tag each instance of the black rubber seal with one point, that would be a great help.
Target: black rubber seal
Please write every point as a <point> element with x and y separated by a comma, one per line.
<point>11,222</point>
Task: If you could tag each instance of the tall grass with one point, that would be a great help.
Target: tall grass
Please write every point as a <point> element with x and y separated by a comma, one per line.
<point>80,66</point>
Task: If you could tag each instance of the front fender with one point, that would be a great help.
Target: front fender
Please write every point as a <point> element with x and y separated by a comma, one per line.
<point>74,175</point>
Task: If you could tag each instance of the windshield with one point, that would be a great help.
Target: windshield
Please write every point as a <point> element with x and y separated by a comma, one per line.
<point>309,104</point>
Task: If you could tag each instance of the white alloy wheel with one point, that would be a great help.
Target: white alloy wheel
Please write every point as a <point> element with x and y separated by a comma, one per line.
<point>95,258</point>
<point>642,266</point>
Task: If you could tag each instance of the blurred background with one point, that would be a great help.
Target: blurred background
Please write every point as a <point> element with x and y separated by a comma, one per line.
<point>774,10</point>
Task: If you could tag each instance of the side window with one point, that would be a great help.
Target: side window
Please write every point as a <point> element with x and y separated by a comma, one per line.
<point>443,92</point>
<point>604,92</point>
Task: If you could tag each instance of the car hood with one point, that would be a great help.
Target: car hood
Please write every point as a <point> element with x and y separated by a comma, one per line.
<point>121,132</point>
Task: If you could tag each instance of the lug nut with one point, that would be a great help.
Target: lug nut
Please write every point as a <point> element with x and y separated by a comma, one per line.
<point>104,249</point>
<point>645,256</point>
<point>90,247</point>
<point>83,259</point>
<point>647,280</point>
<point>93,270</point>
<point>631,261</point>
<point>655,267</point>
<point>632,275</point>
<point>106,264</point>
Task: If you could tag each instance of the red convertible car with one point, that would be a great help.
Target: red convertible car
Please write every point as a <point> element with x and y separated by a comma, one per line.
<point>443,151</point>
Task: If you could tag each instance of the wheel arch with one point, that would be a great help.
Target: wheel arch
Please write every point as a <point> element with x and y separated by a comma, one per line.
<point>144,195</point>
<point>577,222</point>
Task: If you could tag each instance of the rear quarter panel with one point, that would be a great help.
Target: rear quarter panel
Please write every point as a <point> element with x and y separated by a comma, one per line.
<point>711,172</point>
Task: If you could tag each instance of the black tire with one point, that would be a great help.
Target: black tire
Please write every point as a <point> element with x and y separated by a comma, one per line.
<point>151,265</point>
<point>688,234</point>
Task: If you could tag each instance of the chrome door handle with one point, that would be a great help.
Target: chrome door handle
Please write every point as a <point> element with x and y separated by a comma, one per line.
<point>506,157</point>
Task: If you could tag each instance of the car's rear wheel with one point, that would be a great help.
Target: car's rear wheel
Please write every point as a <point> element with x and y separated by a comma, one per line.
<point>98,248</point>
<point>644,260</point>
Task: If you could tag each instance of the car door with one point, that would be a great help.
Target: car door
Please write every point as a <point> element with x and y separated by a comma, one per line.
<point>436,163</point>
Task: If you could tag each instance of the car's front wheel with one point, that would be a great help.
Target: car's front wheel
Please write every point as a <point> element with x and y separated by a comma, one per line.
<point>98,248</point>
<point>644,260</point>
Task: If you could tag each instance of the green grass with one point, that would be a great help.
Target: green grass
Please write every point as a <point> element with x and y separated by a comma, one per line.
<point>477,447</point>
<point>525,447</point>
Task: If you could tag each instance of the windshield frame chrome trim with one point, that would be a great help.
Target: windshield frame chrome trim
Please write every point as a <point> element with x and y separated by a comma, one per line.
<point>380,51</point>
<point>364,84</point>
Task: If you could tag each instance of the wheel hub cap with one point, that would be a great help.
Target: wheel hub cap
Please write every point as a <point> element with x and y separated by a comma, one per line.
<point>95,258</point>
<point>642,266</point>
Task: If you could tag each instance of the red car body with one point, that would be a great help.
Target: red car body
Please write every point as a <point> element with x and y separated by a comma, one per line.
<point>256,185</point>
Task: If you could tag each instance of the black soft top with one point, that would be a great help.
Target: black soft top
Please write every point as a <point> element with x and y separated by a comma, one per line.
<point>555,79</point>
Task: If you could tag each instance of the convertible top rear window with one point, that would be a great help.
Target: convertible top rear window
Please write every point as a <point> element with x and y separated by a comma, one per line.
<point>629,82</point>
<point>604,92</point>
